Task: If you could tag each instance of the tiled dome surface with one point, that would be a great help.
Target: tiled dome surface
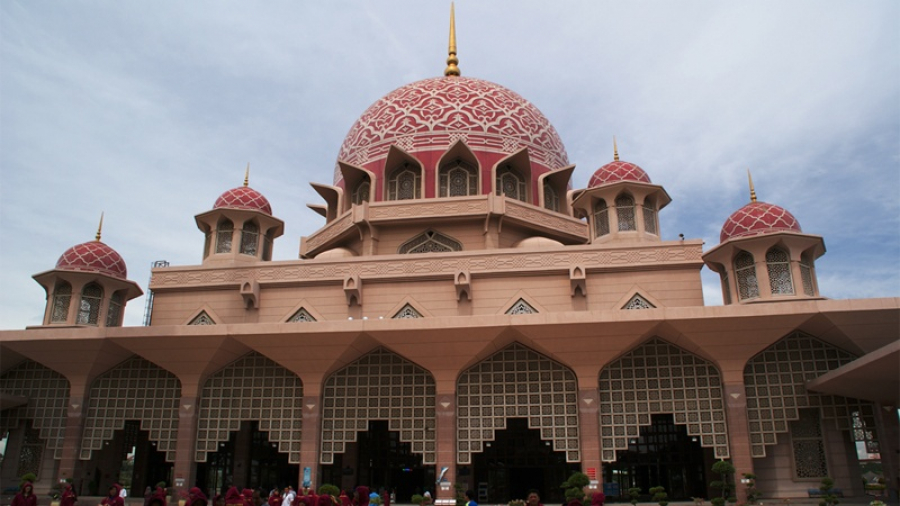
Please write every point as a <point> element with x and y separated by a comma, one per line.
<point>618,171</point>
<point>93,256</point>
<point>243,197</point>
<point>758,218</point>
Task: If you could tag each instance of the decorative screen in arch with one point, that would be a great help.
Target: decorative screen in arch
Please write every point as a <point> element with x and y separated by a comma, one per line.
<point>531,386</point>
<point>379,386</point>
<point>48,397</point>
<point>430,242</point>
<point>659,378</point>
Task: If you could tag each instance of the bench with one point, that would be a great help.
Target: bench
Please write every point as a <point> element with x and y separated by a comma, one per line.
<point>814,492</point>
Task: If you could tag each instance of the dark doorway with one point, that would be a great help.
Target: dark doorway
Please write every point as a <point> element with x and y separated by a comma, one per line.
<point>131,460</point>
<point>246,460</point>
<point>381,461</point>
<point>517,461</point>
<point>663,455</point>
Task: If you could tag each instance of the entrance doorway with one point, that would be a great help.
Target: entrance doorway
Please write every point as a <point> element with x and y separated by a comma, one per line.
<point>517,461</point>
<point>378,459</point>
<point>246,460</point>
<point>664,455</point>
<point>129,459</point>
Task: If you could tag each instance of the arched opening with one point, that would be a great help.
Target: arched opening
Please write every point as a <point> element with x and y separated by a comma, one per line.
<point>601,218</point>
<point>62,296</point>
<point>458,179</point>
<point>250,238</point>
<point>662,455</point>
<point>649,210</point>
<point>745,272</point>
<point>518,460</point>
<point>249,460</point>
<point>89,309</point>
<point>114,313</point>
<point>778,265</point>
<point>625,212</point>
<point>405,183</point>
<point>380,459</point>
<point>551,197</point>
<point>511,183</point>
<point>361,191</point>
<point>130,459</point>
<point>224,236</point>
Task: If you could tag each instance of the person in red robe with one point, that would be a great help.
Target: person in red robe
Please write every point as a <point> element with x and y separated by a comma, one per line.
<point>361,496</point>
<point>233,497</point>
<point>247,494</point>
<point>68,497</point>
<point>275,498</point>
<point>26,496</point>
<point>344,498</point>
<point>598,499</point>
<point>112,497</point>
<point>196,497</point>
<point>158,498</point>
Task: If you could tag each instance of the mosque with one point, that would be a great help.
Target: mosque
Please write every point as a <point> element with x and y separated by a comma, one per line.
<point>462,318</point>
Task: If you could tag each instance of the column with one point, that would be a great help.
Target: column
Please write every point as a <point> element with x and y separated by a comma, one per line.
<point>73,431</point>
<point>887,428</point>
<point>310,438</point>
<point>185,445</point>
<point>589,427</point>
<point>445,441</point>
<point>738,434</point>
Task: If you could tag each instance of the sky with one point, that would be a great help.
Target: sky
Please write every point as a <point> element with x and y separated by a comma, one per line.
<point>147,111</point>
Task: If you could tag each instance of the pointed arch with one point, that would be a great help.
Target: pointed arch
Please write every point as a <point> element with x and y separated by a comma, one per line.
<point>521,303</point>
<point>62,298</point>
<point>458,172</point>
<point>136,389</point>
<point>224,235</point>
<point>625,211</point>
<point>530,386</point>
<point>250,238</point>
<point>380,385</point>
<point>47,392</point>
<point>89,307</point>
<point>601,218</point>
<point>512,176</point>
<point>403,176</point>
<point>745,272</point>
<point>778,265</point>
<point>252,387</point>
<point>658,377</point>
<point>430,241</point>
<point>203,316</point>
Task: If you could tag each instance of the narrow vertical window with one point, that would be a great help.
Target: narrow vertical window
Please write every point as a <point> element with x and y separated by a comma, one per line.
<point>778,264</point>
<point>551,198</point>
<point>510,183</point>
<point>601,218</point>
<point>650,217</point>
<point>726,289</point>
<point>361,192</point>
<point>62,296</point>
<point>405,183</point>
<point>806,266</point>
<point>113,316</point>
<point>89,309</point>
<point>224,236</point>
<point>458,179</point>
<point>745,272</point>
<point>250,238</point>
<point>207,242</point>
<point>625,211</point>
<point>267,246</point>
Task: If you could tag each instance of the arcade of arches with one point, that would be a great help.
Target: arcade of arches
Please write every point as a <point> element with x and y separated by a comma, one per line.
<point>662,419</point>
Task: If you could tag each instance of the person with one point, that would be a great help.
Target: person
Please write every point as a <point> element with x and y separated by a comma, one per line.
<point>68,497</point>
<point>275,497</point>
<point>196,497</point>
<point>247,495</point>
<point>148,492</point>
<point>361,496</point>
<point>534,499</point>
<point>25,496</point>
<point>123,493</point>
<point>219,500</point>
<point>233,497</point>
<point>344,498</point>
<point>112,497</point>
<point>158,498</point>
<point>289,496</point>
<point>470,498</point>
<point>385,497</point>
<point>598,498</point>
<point>325,500</point>
<point>426,498</point>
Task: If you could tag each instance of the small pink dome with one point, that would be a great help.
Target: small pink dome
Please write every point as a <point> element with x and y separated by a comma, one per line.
<point>243,197</point>
<point>758,218</point>
<point>93,256</point>
<point>614,172</point>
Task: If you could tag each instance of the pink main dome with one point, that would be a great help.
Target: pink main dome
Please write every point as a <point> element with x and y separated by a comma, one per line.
<point>243,197</point>
<point>432,114</point>
<point>618,171</point>
<point>758,218</point>
<point>93,256</point>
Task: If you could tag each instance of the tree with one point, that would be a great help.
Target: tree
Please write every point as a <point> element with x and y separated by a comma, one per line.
<point>828,496</point>
<point>634,494</point>
<point>724,469</point>
<point>660,495</point>
<point>574,486</point>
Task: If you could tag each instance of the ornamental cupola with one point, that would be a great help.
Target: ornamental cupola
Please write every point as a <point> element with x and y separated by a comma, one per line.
<point>88,286</point>
<point>621,203</point>
<point>764,256</point>
<point>240,227</point>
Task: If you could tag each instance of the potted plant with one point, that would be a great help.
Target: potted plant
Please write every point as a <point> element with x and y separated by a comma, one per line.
<point>574,487</point>
<point>660,496</point>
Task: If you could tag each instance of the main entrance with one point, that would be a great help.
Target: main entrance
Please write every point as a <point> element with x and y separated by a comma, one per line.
<point>518,461</point>
<point>129,459</point>
<point>378,459</point>
<point>664,455</point>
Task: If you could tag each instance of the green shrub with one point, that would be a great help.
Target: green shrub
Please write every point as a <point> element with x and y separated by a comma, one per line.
<point>328,488</point>
<point>659,495</point>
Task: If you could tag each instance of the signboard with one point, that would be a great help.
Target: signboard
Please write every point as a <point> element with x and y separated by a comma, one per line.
<point>591,473</point>
<point>611,489</point>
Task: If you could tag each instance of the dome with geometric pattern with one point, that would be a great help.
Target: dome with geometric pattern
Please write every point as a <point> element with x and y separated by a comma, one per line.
<point>758,218</point>
<point>428,116</point>
<point>616,171</point>
<point>243,197</point>
<point>93,256</point>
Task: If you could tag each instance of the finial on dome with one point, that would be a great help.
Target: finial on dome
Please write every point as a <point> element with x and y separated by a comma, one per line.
<point>752,190</point>
<point>452,60</point>
<point>615,150</point>
<point>99,228</point>
<point>247,175</point>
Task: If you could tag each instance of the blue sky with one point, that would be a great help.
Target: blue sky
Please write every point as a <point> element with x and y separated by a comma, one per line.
<point>149,110</point>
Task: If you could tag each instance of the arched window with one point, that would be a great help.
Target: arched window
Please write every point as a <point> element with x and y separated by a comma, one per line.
<point>89,309</point>
<point>601,218</point>
<point>267,246</point>
<point>650,217</point>
<point>361,192</point>
<point>806,266</point>
<point>115,309</point>
<point>430,242</point>
<point>250,238</point>
<point>778,263</point>
<point>510,183</point>
<point>745,272</point>
<point>551,198</point>
<point>62,296</point>
<point>458,179</point>
<point>625,211</point>
<point>405,183</point>
<point>224,236</point>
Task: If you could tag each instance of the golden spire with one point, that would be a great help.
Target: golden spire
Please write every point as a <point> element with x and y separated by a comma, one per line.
<point>99,228</point>
<point>452,60</point>
<point>615,150</point>
<point>752,190</point>
<point>247,175</point>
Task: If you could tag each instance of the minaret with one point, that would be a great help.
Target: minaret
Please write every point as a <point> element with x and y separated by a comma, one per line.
<point>452,60</point>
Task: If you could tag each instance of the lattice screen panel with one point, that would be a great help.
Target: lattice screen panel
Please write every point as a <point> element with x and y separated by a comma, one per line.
<point>517,382</point>
<point>251,388</point>
<point>136,389</point>
<point>660,378</point>
<point>48,399</point>
<point>775,381</point>
<point>379,386</point>
<point>808,445</point>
